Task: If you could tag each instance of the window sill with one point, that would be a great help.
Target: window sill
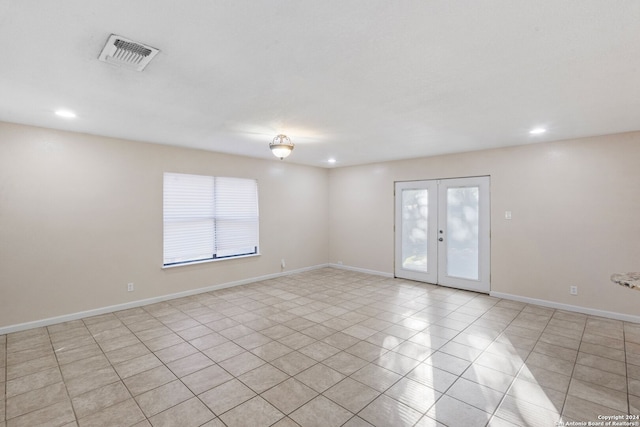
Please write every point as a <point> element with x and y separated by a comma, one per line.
<point>206,261</point>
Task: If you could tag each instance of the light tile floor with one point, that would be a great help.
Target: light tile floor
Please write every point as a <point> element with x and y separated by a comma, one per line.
<point>323,348</point>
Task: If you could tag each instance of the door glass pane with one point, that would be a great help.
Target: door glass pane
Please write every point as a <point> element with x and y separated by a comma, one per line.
<point>462,232</point>
<point>415,214</point>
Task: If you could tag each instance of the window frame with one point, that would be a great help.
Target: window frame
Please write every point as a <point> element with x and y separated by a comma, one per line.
<point>177,212</point>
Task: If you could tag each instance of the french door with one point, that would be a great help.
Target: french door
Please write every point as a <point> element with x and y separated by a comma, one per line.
<point>442,232</point>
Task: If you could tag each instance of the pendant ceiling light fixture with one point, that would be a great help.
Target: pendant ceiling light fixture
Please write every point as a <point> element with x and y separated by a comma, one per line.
<point>281,146</point>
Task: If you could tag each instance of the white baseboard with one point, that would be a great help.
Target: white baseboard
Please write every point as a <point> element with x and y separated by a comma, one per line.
<point>139,303</point>
<point>544,303</point>
<point>361,270</point>
<point>568,307</point>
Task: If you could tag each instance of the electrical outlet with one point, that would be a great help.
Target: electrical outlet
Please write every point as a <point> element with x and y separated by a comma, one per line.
<point>129,287</point>
<point>282,263</point>
<point>573,290</point>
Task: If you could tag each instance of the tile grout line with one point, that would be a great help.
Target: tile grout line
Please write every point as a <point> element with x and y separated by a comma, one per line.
<point>55,354</point>
<point>423,414</point>
<point>504,395</point>
<point>626,367</point>
<point>575,363</point>
<point>200,352</point>
<point>354,415</point>
<point>116,371</point>
<point>165,365</point>
<point>79,360</point>
<point>112,366</point>
<point>525,364</point>
<point>443,393</point>
<point>28,391</point>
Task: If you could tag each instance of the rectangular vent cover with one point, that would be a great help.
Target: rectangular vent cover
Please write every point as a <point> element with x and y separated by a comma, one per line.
<point>126,53</point>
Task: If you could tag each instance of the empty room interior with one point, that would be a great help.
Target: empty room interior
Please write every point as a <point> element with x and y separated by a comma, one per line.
<point>335,213</point>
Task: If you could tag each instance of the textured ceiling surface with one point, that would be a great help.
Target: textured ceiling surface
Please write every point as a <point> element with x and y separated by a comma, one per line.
<point>359,80</point>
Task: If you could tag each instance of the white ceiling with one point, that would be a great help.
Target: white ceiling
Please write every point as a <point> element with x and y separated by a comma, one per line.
<point>359,80</point>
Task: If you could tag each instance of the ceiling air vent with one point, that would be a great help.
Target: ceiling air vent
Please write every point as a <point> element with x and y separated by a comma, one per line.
<point>126,53</point>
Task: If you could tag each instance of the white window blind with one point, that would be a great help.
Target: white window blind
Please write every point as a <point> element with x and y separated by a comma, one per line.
<point>207,217</point>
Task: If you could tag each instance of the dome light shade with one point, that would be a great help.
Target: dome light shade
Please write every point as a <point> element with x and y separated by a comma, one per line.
<point>281,146</point>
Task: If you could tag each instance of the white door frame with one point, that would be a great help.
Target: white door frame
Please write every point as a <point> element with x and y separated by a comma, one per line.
<point>429,273</point>
<point>437,250</point>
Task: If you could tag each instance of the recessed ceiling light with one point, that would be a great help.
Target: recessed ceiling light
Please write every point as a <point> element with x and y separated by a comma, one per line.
<point>66,114</point>
<point>537,131</point>
<point>331,160</point>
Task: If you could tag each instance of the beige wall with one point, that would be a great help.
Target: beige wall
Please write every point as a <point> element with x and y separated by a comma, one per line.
<point>576,216</point>
<point>81,216</point>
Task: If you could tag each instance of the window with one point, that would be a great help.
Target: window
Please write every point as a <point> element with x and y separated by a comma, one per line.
<point>208,218</point>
